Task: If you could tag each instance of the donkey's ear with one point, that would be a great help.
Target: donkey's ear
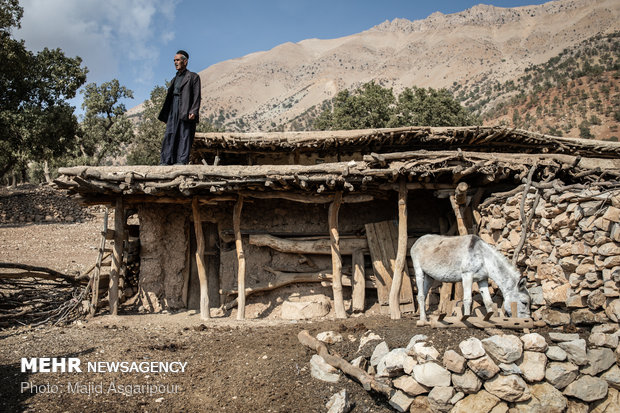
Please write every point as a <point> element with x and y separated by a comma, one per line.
<point>522,283</point>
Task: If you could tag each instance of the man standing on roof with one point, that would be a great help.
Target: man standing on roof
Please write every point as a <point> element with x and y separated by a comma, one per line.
<point>180,113</point>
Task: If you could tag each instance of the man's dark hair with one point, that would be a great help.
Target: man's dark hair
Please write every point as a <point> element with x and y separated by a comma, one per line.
<point>184,53</point>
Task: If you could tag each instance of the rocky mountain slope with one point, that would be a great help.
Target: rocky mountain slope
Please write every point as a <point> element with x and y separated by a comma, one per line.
<point>265,89</point>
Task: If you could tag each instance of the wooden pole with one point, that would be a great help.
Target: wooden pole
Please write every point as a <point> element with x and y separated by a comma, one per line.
<point>200,262</point>
<point>359,281</point>
<point>117,255</point>
<point>336,257</point>
<point>240,259</point>
<point>401,254</point>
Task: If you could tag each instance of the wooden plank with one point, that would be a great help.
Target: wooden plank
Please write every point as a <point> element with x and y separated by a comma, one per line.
<point>359,282</point>
<point>97,274</point>
<point>382,275</point>
<point>320,246</point>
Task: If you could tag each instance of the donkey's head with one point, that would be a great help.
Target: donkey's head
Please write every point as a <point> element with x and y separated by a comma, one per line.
<point>520,296</point>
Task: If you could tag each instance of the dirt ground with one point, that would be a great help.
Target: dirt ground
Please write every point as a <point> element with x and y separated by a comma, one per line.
<point>238,366</point>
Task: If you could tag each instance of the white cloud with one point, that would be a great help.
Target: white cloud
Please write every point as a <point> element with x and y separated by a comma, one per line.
<point>112,37</point>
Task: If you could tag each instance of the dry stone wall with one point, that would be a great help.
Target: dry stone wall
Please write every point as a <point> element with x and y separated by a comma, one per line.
<point>557,372</point>
<point>571,254</point>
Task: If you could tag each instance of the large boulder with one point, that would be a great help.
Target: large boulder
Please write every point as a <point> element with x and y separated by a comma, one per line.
<point>505,349</point>
<point>378,353</point>
<point>467,382</point>
<point>575,351</point>
<point>599,359</point>
<point>392,364</point>
<point>319,369</point>
<point>472,348</point>
<point>440,398</point>
<point>431,375</point>
<point>587,388</point>
<point>484,367</point>
<point>545,399</point>
<point>454,362</point>
<point>409,385</point>
<point>533,366</point>
<point>304,310</point>
<point>534,342</point>
<point>561,375</point>
<point>511,388</point>
<point>481,402</point>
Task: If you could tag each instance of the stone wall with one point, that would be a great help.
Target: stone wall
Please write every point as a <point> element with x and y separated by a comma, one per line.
<point>501,373</point>
<point>571,256</point>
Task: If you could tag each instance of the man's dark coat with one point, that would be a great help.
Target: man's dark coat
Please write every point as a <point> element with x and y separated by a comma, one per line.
<point>189,99</point>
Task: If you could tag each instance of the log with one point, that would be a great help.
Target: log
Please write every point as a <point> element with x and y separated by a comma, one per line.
<point>401,255</point>
<point>366,380</point>
<point>320,246</point>
<point>286,278</point>
<point>460,193</point>
<point>200,262</point>
<point>334,207</point>
<point>32,270</point>
<point>240,258</point>
<point>359,283</point>
<point>117,255</point>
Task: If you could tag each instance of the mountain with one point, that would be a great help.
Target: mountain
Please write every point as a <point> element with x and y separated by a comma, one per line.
<point>484,43</point>
<point>575,93</point>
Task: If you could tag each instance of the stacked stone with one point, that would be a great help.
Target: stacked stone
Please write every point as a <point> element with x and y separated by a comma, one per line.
<point>501,372</point>
<point>571,255</point>
<point>31,203</point>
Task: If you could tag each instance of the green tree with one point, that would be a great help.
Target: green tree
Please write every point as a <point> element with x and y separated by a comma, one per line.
<point>150,132</point>
<point>105,128</point>
<point>430,107</point>
<point>370,106</point>
<point>36,122</point>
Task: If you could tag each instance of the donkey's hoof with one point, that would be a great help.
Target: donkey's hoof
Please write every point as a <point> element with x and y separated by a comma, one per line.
<point>422,323</point>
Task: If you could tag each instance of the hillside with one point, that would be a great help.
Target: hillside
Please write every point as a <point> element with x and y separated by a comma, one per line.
<point>576,93</point>
<point>484,43</point>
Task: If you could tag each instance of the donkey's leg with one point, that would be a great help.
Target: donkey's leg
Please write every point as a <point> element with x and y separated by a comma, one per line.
<point>486,297</point>
<point>420,281</point>
<point>467,279</point>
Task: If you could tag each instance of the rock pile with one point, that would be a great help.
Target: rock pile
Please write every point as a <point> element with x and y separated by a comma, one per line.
<point>571,254</point>
<point>498,374</point>
<point>33,203</point>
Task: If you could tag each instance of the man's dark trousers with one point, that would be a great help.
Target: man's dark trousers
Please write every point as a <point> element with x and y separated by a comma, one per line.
<point>177,142</point>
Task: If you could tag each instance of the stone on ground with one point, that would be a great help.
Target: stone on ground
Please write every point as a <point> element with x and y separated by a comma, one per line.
<point>587,388</point>
<point>339,403</point>
<point>481,402</point>
<point>511,388</point>
<point>560,375</point>
<point>467,382</point>
<point>319,369</point>
<point>484,367</point>
<point>439,398</point>
<point>545,398</point>
<point>472,348</point>
<point>431,374</point>
<point>533,366</point>
<point>504,349</point>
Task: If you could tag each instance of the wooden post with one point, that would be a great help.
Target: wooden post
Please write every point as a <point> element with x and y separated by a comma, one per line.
<point>401,254</point>
<point>359,281</point>
<point>200,262</point>
<point>240,259</point>
<point>117,254</point>
<point>336,257</point>
<point>458,201</point>
<point>97,274</point>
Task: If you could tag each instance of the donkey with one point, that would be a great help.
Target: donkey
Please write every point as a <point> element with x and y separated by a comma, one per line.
<point>467,258</point>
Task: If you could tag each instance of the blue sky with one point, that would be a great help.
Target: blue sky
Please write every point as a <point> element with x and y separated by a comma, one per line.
<point>134,41</point>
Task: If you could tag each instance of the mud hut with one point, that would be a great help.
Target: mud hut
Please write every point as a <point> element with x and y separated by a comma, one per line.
<point>310,222</point>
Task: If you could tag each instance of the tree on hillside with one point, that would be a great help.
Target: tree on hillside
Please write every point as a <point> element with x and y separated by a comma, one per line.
<point>36,122</point>
<point>370,106</point>
<point>105,128</point>
<point>373,106</point>
<point>146,147</point>
<point>429,107</point>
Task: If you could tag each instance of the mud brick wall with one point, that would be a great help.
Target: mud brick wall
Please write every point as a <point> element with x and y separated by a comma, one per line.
<point>571,256</point>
